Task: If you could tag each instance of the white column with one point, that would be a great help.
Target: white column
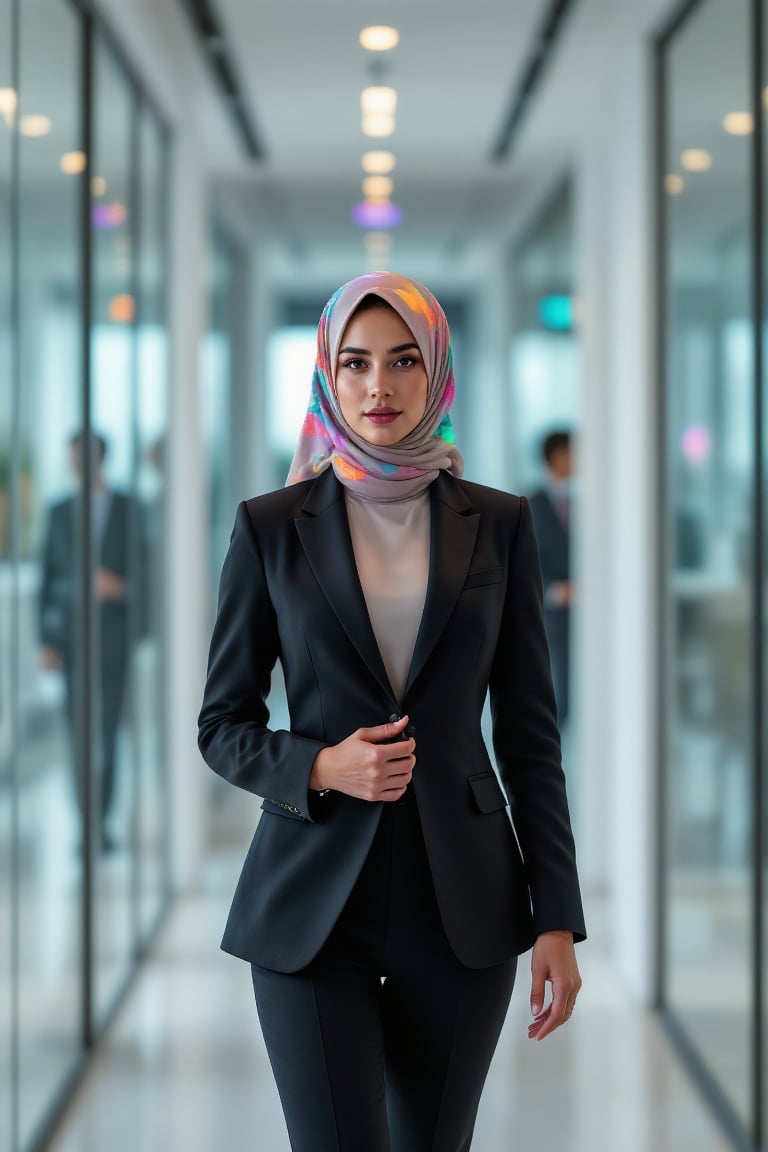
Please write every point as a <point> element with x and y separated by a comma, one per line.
<point>188,613</point>
<point>592,541</point>
<point>631,709</point>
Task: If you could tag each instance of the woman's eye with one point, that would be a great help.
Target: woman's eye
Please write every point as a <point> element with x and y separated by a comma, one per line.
<point>406,361</point>
<point>353,364</point>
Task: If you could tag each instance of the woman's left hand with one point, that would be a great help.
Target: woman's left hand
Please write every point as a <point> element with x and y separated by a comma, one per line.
<point>553,960</point>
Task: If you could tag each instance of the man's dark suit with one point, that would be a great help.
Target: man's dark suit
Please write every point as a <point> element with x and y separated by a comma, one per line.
<point>553,537</point>
<point>120,551</point>
<point>290,591</point>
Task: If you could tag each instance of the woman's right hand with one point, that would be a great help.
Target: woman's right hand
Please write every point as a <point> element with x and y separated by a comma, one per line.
<point>371,764</point>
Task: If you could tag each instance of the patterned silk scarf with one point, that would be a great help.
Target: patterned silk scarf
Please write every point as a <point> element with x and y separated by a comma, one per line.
<point>397,471</point>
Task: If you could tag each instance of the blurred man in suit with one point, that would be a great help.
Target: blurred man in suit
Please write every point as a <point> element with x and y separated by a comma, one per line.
<point>117,554</point>
<point>551,506</point>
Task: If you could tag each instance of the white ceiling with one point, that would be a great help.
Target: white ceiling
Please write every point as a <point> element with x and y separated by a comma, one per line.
<point>455,71</point>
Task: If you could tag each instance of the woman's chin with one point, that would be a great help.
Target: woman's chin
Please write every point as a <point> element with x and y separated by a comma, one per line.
<point>383,436</point>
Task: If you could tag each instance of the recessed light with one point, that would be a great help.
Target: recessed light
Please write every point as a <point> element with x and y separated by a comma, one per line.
<point>378,242</point>
<point>378,124</point>
<point>378,100</point>
<point>73,163</point>
<point>8,104</point>
<point>696,160</point>
<point>34,125</point>
<point>673,184</point>
<point>379,38</point>
<point>379,163</point>
<point>378,186</point>
<point>738,123</point>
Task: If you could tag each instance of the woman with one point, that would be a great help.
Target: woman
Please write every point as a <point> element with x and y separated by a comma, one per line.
<point>385,896</point>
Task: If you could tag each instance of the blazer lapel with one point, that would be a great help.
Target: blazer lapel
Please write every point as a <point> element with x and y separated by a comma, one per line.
<point>324,533</point>
<point>453,534</point>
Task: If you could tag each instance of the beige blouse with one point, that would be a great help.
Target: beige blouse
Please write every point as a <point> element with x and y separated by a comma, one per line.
<point>391,546</point>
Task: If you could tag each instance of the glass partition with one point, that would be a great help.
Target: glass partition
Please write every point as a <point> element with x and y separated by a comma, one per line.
<point>71,743</point>
<point>708,590</point>
<point>763,625</point>
<point>47,606</point>
<point>117,571</point>
<point>7,102</point>
<point>149,545</point>
<point>545,367</point>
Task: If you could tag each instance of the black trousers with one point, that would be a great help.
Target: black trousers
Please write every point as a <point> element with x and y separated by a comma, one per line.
<point>112,672</point>
<point>383,1043</point>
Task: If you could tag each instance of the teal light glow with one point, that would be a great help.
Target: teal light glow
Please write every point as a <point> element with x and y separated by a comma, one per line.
<point>556,313</point>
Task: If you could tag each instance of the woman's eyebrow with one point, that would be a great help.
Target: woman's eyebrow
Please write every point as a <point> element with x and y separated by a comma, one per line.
<point>367,351</point>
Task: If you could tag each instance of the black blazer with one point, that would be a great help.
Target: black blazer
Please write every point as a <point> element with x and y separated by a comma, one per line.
<point>121,551</point>
<point>290,591</point>
<point>552,537</point>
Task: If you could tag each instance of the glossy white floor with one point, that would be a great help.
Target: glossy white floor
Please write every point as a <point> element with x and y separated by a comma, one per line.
<point>184,1069</point>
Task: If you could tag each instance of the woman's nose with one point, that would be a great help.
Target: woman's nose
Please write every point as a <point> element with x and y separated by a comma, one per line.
<point>379,383</point>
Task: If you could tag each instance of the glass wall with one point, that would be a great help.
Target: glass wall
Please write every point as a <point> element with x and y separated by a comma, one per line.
<point>545,399</point>
<point>762,626</point>
<point>7,1030</point>
<point>152,419</point>
<point>219,399</point>
<point>83,418</point>
<point>710,750</point>
<point>115,528</point>
<point>545,370</point>
<point>47,600</point>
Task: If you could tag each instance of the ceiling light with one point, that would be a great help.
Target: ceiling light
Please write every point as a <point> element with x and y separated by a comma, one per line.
<point>373,100</point>
<point>673,184</point>
<point>8,104</point>
<point>121,309</point>
<point>738,123</point>
<point>378,243</point>
<point>379,163</point>
<point>378,124</point>
<point>377,214</point>
<point>73,163</point>
<point>34,125</point>
<point>696,160</point>
<point>98,186</point>
<point>379,38</point>
<point>378,186</point>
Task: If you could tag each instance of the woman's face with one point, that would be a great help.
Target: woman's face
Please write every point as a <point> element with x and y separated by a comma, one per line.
<point>381,381</point>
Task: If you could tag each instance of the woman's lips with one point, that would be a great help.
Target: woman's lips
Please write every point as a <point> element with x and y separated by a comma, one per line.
<point>382,415</point>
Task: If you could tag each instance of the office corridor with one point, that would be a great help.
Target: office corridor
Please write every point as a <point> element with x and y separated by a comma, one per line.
<point>184,1068</point>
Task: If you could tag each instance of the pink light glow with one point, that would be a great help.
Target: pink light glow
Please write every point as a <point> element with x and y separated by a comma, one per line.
<point>696,443</point>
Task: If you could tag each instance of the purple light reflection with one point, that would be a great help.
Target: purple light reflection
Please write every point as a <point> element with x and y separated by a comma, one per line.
<point>106,216</point>
<point>377,214</point>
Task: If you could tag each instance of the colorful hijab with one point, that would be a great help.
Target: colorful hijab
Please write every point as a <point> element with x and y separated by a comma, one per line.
<point>396,471</point>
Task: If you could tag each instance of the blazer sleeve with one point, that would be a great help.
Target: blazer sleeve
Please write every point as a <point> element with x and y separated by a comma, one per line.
<point>527,742</point>
<point>234,736</point>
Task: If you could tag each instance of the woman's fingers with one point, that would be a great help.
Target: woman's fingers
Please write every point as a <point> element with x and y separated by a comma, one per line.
<point>372,764</point>
<point>383,732</point>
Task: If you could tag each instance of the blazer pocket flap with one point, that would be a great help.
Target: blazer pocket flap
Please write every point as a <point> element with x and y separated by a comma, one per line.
<point>487,792</point>
<point>280,808</point>
<point>483,576</point>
